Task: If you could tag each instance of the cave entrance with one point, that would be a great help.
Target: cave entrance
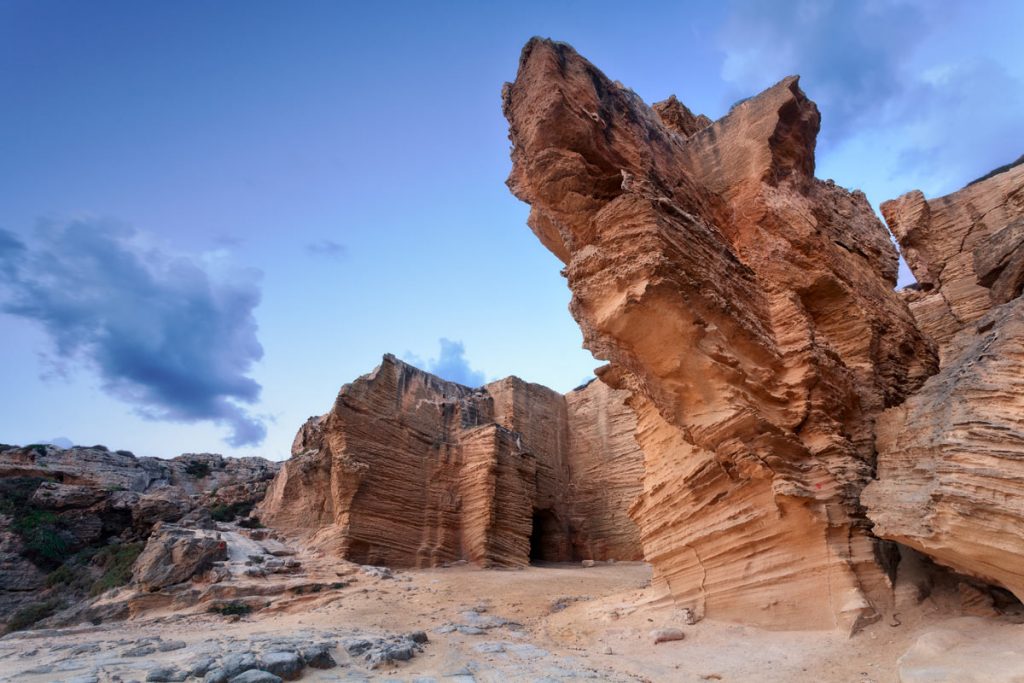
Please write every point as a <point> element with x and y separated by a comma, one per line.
<point>547,538</point>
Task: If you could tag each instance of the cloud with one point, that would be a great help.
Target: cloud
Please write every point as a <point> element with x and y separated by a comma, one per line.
<point>162,333</point>
<point>328,248</point>
<point>849,54</point>
<point>451,364</point>
<point>909,97</point>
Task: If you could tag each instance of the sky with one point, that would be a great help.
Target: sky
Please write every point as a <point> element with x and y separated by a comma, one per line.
<point>215,214</point>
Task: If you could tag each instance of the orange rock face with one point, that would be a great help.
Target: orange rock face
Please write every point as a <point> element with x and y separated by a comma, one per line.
<point>965,250</point>
<point>951,459</point>
<point>748,309</point>
<point>410,470</point>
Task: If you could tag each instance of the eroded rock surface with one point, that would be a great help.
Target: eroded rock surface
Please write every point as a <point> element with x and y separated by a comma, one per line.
<point>951,459</point>
<point>72,521</point>
<point>965,250</point>
<point>410,470</point>
<point>174,554</point>
<point>749,310</point>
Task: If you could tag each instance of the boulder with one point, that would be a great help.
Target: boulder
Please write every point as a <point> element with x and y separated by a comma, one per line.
<point>174,554</point>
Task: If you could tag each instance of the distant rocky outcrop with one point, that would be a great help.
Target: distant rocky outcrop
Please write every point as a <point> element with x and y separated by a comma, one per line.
<point>951,458</point>
<point>73,521</point>
<point>409,470</point>
<point>748,310</point>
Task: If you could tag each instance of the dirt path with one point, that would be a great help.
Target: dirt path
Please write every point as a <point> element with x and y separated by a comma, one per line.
<point>556,623</point>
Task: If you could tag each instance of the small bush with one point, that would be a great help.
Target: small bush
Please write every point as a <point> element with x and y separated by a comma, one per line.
<point>31,614</point>
<point>250,523</point>
<point>231,608</point>
<point>39,448</point>
<point>197,470</point>
<point>228,513</point>
<point>127,454</point>
<point>116,562</point>
<point>42,533</point>
<point>256,559</point>
<point>99,447</point>
<point>62,576</point>
<point>338,585</point>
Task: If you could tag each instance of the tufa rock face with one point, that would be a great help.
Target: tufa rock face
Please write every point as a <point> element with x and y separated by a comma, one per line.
<point>965,250</point>
<point>748,310</point>
<point>951,459</point>
<point>410,470</point>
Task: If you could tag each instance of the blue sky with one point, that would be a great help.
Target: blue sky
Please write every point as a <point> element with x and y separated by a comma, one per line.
<point>213,214</point>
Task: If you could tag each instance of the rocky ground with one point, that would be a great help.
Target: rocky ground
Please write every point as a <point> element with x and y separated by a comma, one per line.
<point>303,616</point>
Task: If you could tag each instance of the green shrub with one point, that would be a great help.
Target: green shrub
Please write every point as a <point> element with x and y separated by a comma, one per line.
<point>197,470</point>
<point>30,614</point>
<point>231,608</point>
<point>116,562</point>
<point>250,523</point>
<point>15,494</point>
<point>228,513</point>
<point>62,576</point>
<point>39,448</point>
<point>43,535</point>
<point>125,453</point>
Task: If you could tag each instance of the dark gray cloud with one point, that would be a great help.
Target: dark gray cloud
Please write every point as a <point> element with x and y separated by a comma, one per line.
<point>451,364</point>
<point>849,54</point>
<point>161,332</point>
<point>901,85</point>
<point>328,248</point>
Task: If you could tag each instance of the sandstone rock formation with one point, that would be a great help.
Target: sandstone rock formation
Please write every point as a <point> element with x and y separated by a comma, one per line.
<point>951,458</point>
<point>965,250</point>
<point>748,309</point>
<point>410,470</point>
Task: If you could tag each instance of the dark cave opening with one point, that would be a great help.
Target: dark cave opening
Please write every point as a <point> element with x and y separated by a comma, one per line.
<point>547,538</point>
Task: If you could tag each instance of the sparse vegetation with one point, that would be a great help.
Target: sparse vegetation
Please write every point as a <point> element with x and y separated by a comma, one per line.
<point>116,563</point>
<point>99,447</point>
<point>39,448</point>
<point>231,608</point>
<point>1000,169</point>
<point>128,454</point>
<point>197,469</point>
<point>31,614</point>
<point>43,535</point>
<point>250,523</point>
<point>256,559</point>
<point>228,513</point>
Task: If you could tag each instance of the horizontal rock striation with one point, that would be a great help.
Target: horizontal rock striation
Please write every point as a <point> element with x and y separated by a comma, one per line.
<point>965,249</point>
<point>951,459</point>
<point>747,308</point>
<point>410,470</point>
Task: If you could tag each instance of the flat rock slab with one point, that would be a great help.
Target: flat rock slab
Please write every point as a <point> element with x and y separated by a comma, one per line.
<point>969,650</point>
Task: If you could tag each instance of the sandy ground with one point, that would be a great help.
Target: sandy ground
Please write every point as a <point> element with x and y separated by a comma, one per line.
<point>555,623</point>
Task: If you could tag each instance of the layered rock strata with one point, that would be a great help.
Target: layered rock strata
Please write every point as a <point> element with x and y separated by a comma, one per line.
<point>965,249</point>
<point>410,470</point>
<point>951,459</point>
<point>748,309</point>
